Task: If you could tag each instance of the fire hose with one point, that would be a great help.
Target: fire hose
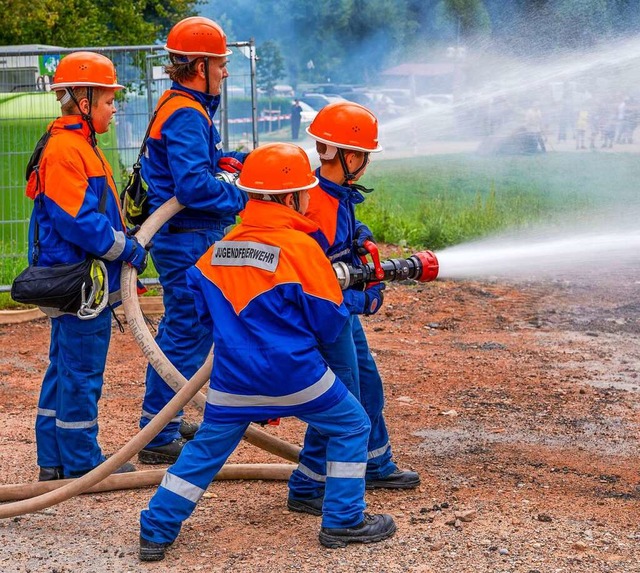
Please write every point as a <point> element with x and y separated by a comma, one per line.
<point>186,391</point>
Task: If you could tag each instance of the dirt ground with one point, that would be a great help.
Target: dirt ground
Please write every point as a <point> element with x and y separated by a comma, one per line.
<point>518,404</point>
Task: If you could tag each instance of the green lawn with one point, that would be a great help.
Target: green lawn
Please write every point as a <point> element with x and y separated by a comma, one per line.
<point>438,201</point>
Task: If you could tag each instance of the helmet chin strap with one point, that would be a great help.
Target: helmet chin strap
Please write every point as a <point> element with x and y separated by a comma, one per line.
<point>206,75</point>
<point>85,116</point>
<point>349,177</point>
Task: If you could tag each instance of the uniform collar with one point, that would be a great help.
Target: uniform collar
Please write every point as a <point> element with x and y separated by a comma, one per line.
<point>72,123</point>
<point>340,192</point>
<point>209,102</point>
<point>269,215</point>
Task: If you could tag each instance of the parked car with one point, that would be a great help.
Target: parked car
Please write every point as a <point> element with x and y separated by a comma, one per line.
<point>318,101</point>
<point>401,97</point>
<point>379,103</point>
<point>308,114</point>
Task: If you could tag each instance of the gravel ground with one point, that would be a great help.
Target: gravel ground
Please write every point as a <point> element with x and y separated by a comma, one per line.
<point>518,404</point>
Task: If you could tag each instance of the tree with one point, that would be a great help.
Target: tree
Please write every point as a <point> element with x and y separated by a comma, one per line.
<point>270,66</point>
<point>471,17</point>
<point>77,23</point>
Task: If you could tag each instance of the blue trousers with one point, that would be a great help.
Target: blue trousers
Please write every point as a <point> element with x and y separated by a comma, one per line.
<point>67,419</point>
<point>346,429</point>
<point>181,337</point>
<point>350,358</point>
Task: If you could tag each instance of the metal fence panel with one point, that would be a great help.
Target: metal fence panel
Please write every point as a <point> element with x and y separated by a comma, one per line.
<point>27,105</point>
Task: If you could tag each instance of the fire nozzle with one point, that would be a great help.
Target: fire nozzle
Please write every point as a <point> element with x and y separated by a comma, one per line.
<point>422,267</point>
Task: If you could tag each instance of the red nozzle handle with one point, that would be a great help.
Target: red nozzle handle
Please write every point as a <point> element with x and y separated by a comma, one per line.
<point>230,164</point>
<point>430,266</point>
<point>372,249</point>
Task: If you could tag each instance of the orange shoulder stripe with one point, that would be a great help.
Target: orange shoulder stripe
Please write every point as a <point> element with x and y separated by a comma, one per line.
<point>302,262</point>
<point>67,165</point>
<point>172,104</point>
<point>323,210</point>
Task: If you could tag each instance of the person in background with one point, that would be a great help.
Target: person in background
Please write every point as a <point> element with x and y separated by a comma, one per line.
<point>296,115</point>
<point>346,133</point>
<point>77,215</point>
<point>182,161</point>
<point>533,126</point>
<point>582,124</point>
<point>270,296</point>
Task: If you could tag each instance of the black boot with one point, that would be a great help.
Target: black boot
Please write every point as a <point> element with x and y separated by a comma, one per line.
<point>152,551</point>
<point>188,429</point>
<point>399,479</point>
<point>49,474</point>
<point>167,454</point>
<point>372,529</point>
<point>312,506</point>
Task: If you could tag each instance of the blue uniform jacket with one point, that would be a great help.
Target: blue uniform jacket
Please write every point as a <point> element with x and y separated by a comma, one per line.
<point>332,208</point>
<point>181,159</point>
<point>270,295</point>
<point>66,202</point>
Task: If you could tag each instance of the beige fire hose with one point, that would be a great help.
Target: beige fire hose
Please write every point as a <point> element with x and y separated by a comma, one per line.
<point>186,391</point>
<point>156,357</point>
<point>145,478</point>
<point>106,468</point>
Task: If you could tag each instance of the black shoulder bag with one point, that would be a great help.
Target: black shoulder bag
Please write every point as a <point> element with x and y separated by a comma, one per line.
<point>66,287</point>
<point>135,205</point>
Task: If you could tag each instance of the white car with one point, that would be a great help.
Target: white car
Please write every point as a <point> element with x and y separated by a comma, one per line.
<point>308,114</point>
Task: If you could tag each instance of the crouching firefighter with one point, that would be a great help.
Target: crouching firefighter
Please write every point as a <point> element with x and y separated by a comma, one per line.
<point>269,295</point>
<point>76,216</point>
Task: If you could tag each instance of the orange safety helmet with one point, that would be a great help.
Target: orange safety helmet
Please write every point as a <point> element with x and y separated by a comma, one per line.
<point>85,69</point>
<point>346,125</point>
<point>275,169</point>
<point>197,36</point>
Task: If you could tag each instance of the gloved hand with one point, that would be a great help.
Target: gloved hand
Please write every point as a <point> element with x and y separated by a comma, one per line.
<point>375,297</point>
<point>227,177</point>
<point>362,234</point>
<point>138,256</point>
<point>365,302</point>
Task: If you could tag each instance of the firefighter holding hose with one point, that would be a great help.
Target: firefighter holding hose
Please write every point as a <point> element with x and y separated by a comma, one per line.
<point>77,215</point>
<point>346,133</point>
<point>269,294</point>
<point>181,160</point>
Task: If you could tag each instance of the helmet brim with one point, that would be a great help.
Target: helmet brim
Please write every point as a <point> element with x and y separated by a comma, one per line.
<point>343,146</point>
<point>198,54</point>
<point>276,191</point>
<point>63,85</point>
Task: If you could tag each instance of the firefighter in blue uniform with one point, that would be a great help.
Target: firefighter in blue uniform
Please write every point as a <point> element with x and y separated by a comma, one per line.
<point>346,133</point>
<point>269,295</point>
<point>181,160</point>
<point>77,215</point>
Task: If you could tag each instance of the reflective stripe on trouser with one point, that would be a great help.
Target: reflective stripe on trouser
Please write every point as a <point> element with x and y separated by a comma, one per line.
<point>349,357</point>
<point>181,337</point>
<point>67,420</point>
<point>345,424</point>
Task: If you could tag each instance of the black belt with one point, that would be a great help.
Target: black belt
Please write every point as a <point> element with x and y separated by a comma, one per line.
<point>175,230</point>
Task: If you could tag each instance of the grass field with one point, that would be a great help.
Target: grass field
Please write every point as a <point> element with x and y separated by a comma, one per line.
<point>438,201</point>
<point>442,200</point>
